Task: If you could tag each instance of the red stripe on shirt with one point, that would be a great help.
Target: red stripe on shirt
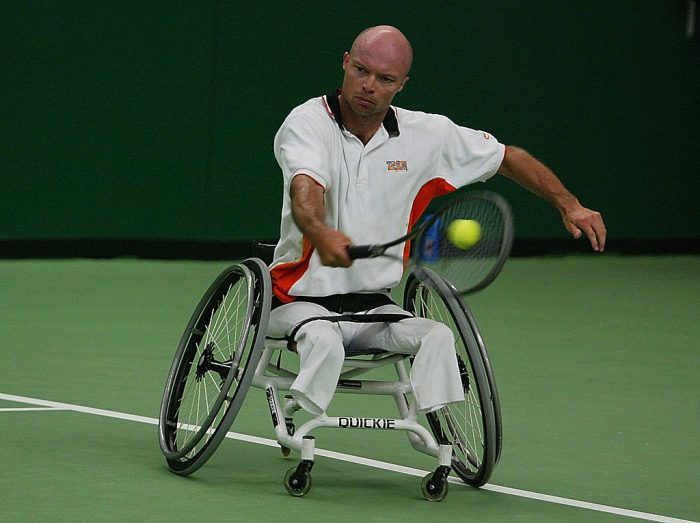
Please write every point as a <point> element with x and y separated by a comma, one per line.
<point>328,108</point>
<point>285,275</point>
<point>434,188</point>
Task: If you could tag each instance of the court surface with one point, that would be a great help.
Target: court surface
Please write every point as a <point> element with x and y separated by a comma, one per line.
<point>596,359</point>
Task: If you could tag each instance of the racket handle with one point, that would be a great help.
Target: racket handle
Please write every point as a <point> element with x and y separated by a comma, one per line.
<point>361,251</point>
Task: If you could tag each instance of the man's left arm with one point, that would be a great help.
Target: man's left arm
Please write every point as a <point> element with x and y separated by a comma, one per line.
<point>520,166</point>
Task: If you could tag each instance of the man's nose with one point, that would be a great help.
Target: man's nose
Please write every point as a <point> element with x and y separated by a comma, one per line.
<point>369,83</point>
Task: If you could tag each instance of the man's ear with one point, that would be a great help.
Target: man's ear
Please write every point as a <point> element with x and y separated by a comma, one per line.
<point>403,84</point>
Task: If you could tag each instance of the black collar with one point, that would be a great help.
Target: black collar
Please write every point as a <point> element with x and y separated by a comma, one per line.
<point>390,123</point>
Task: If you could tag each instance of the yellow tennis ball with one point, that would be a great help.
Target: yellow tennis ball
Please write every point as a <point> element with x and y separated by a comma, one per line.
<point>465,234</point>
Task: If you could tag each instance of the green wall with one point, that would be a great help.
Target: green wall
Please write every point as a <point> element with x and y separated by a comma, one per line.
<point>156,119</point>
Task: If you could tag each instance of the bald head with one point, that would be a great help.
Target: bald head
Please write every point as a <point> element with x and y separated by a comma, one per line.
<point>375,70</point>
<point>387,43</point>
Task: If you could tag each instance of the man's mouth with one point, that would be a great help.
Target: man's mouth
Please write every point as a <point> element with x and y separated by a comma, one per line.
<point>364,102</point>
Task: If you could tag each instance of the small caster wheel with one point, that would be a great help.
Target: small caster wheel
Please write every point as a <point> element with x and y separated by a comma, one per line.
<point>297,484</point>
<point>434,487</point>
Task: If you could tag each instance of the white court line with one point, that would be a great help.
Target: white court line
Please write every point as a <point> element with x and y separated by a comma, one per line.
<point>30,409</point>
<point>362,461</point>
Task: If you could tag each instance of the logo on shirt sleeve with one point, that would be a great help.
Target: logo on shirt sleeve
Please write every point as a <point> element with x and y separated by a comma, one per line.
<point>397,166</point>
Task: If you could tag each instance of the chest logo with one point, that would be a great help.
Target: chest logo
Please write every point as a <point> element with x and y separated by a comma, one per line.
<point>397,166</point>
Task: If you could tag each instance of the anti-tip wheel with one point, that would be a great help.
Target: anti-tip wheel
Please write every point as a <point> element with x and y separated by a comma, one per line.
<point>297,484</point>
<point>433,489</point>
<point>286,451</point>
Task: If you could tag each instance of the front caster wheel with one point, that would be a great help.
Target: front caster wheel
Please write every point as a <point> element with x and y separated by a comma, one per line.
<point>434,486</point>
<point>297,482</point>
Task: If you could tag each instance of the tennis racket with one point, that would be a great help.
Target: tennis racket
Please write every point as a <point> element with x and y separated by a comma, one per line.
<point>467,269</point>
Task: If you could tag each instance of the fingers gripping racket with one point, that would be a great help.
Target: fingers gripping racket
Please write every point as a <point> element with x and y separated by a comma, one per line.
<point>467,241</point>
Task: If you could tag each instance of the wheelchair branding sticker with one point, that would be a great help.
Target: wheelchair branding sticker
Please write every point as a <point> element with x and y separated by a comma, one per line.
<point>271,404</point>
<point>366,423</point>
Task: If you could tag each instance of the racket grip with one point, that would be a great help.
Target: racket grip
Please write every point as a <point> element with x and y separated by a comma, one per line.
<point>360,251</point>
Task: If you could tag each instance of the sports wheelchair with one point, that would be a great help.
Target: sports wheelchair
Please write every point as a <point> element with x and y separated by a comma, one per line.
<point>224,351</point>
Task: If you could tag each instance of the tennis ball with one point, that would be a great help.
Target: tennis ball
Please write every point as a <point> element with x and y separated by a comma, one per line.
<point>465,234</point>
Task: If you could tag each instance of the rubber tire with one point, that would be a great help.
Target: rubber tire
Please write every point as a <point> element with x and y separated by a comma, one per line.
<point>428,295</point>
<point>251,277</point>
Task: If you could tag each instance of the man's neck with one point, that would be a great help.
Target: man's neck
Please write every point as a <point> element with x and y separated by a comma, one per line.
<point>363,128</point>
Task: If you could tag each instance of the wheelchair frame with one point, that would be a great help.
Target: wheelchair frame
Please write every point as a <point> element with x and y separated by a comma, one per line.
<point>247,361</point>
<point>300,440</point>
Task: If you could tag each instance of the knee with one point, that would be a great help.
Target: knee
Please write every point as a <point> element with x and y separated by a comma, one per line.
<point>439,333</point>
<point>440,339</point>
<point>320,333</point>
<point>321,337</point>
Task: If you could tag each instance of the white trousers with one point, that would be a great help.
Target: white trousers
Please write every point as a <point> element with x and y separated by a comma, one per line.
<point>321,346</point>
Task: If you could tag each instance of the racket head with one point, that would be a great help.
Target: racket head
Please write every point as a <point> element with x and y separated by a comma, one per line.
<point>468,270</point>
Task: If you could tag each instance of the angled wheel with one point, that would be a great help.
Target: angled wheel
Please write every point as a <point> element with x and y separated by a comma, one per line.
<point>214,365</point>
<point>473,426</point>
<point>297,483</point>
<point>434,488</point>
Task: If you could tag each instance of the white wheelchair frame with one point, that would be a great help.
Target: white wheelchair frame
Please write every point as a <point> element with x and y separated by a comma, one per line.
<point>188,443</point>
<point>300,440</point>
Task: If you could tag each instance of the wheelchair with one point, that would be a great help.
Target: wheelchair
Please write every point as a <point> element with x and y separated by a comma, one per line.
<point>224,352</point>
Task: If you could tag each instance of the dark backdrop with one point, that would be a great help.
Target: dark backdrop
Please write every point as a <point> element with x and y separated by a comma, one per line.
<point>155,120</point>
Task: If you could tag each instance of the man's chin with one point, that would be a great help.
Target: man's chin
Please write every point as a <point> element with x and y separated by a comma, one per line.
<point>363,110</point>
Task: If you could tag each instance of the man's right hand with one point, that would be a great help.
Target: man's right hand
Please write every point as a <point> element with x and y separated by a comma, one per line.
<point>332,248</point>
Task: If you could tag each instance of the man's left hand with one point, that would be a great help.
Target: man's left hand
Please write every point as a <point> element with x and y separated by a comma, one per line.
<point>579,220</point>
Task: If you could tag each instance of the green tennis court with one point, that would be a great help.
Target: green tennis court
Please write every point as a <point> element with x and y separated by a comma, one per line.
<point>596,359</point>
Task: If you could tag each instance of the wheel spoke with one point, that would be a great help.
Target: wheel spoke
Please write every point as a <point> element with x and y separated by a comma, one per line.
<point>205,384</point>
<point>462,423</point>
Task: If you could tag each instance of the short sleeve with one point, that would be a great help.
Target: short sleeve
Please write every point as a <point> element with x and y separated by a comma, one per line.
<point>467,155</point>
<point>301,147</point>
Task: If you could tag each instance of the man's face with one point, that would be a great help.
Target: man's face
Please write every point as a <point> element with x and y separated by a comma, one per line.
<point>371,81</point>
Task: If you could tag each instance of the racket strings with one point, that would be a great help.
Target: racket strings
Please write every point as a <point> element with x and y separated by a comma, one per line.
<point>469,268</point>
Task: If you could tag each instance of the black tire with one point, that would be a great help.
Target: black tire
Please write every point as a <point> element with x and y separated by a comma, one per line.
<point>297,485</point>
<point>472,427</point>
<point>434,492</point>
<point>489,374</point>
<point>202,395</point>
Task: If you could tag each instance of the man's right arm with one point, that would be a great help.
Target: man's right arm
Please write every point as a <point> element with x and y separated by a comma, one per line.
<point>309,213</point>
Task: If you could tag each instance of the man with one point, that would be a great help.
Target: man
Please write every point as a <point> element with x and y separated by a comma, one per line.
<point>358,170</point>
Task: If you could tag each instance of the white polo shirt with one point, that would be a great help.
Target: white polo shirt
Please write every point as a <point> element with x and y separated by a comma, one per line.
<point>374,193</point>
